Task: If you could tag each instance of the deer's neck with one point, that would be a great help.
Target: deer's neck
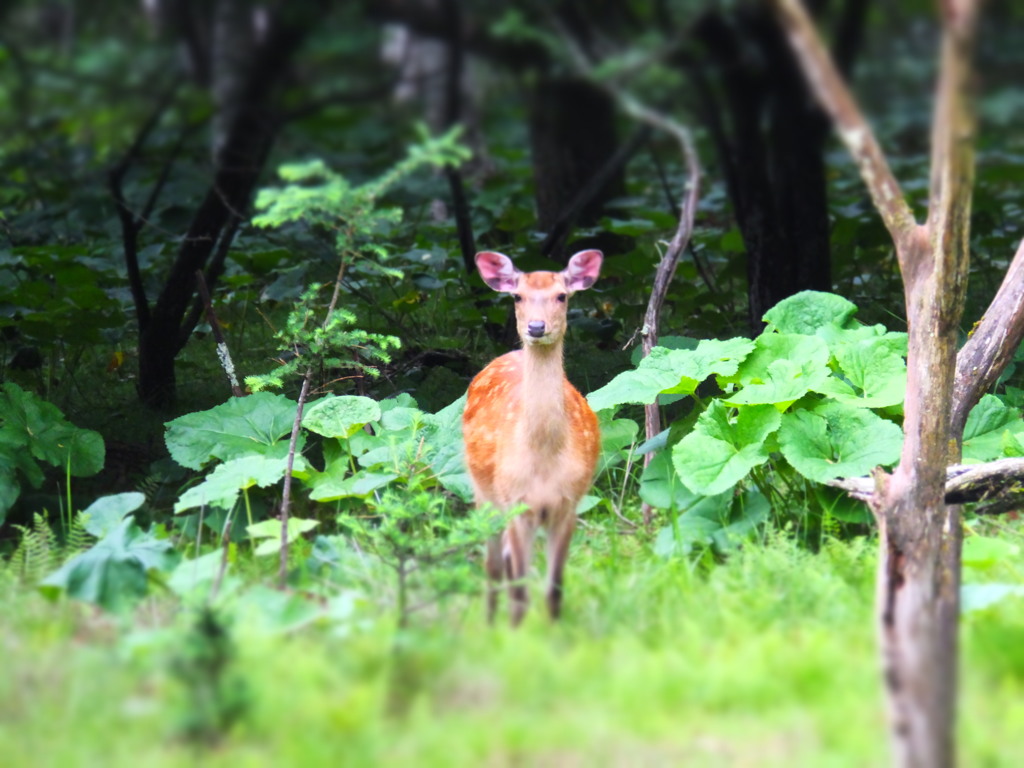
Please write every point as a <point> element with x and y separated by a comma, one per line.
<point>543,396</point>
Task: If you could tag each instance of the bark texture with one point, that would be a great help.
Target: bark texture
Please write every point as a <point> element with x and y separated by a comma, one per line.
<point>247,123</point>
<point>920,535</point>
<point>769,135</point>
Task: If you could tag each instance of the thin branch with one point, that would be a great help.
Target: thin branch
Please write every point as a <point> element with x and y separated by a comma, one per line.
<point>130,223</point>
<point>991,346</point>
<point>834,95</point>
<point>165,172</point>
<point>286,493</point>
<point>687,210</point>
<point>213,272</point>
<point>223,352</point>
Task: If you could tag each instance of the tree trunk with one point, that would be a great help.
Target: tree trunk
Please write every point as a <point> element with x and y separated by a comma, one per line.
<point>572,134</point>
<point>244,134</point>
<point>920,536</point>
<point>770,137</point>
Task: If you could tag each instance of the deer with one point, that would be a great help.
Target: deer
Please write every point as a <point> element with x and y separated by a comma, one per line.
<point>531,439</point>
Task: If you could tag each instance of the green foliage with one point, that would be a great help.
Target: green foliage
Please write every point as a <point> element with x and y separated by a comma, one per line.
<point>114,573</point>
<point>772,653</point>
<point>323,200</point>
<point>241,426</point>
<point>993,429</point>
<point>320,197</point>
<point>38,551</point>
<point>331,344</point>
<point>419,542</point>
<point>33,431</point>
<point>808,401</point>
<point>364,445</point>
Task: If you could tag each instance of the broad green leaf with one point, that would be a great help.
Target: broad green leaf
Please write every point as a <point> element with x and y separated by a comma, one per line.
<point>359,485</point>
<point>444,449</point>
<point>9,490</point>
<point>242,426</point>
<point>661,487</point>
<point>749,510</point>
<point>807,311</point>
<point>197,574</point>
<point>667,341</point>
<point>785,382</point>
<point>881,339</point>
<point>877,374</point>
<point>675,371</point>
<point>106,513</point>
<point>838,504</point>
<point>1013,445</point>
<point>274,611</point>
<point>616,436</point>
<point>114,573</point>
<point>222,486</point>
<point>340,416</point>
<point>30,423</point>
<point>723,522</point>
<point>723,448</point>
<point>270,532</point>
<point>987,425</point>
<point>781,365</point>
<point>834,440</point>
<point>680,539</point>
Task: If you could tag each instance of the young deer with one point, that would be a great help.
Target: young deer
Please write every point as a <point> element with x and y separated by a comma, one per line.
<point>530,436</point>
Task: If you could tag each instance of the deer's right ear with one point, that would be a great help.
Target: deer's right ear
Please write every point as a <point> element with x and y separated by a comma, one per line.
<point>497,271</point>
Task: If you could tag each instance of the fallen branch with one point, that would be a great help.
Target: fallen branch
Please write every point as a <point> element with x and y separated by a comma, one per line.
<point>999,485</point>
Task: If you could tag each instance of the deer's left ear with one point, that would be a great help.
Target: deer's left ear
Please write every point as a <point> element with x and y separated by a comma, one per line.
<point>583,270</point>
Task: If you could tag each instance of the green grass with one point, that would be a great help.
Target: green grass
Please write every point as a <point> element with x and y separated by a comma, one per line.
<point>767,660</point>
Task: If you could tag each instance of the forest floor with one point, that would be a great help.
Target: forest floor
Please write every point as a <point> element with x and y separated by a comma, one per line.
<point>768,659</point>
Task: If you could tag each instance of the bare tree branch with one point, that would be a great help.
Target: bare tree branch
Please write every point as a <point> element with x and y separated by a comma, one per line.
<point>965,483</point>
<point>992,345</point>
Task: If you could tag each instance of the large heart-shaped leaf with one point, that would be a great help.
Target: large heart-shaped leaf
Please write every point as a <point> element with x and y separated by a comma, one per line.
<point>340,416</point>
<point>674,371</point>
<point>723,448</point>
<point>242,426</point>
<point>114,573</point>
<point>807,311</point>
<point>834,440</point>
<point>221,487</point>
<point>989,425</point>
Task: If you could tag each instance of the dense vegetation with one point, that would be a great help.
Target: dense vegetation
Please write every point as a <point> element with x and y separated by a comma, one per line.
<point>149,587</point>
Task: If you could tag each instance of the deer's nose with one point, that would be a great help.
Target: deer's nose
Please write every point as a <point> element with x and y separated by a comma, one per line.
<point>535,328</point>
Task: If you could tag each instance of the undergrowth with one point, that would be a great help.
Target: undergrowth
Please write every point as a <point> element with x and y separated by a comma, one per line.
<point>767,659</point>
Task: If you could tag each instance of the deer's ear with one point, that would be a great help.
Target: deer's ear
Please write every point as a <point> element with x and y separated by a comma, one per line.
<point>583,270</point>
<point>497,271</point>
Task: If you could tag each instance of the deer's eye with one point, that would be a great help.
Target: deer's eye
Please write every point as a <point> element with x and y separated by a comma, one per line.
<point>517,297</point>
<point>561,297</point>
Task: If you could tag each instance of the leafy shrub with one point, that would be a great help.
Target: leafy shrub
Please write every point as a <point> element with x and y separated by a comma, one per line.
<point>33,431</point>
<point>813,398</point>
<point>816,397</point>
